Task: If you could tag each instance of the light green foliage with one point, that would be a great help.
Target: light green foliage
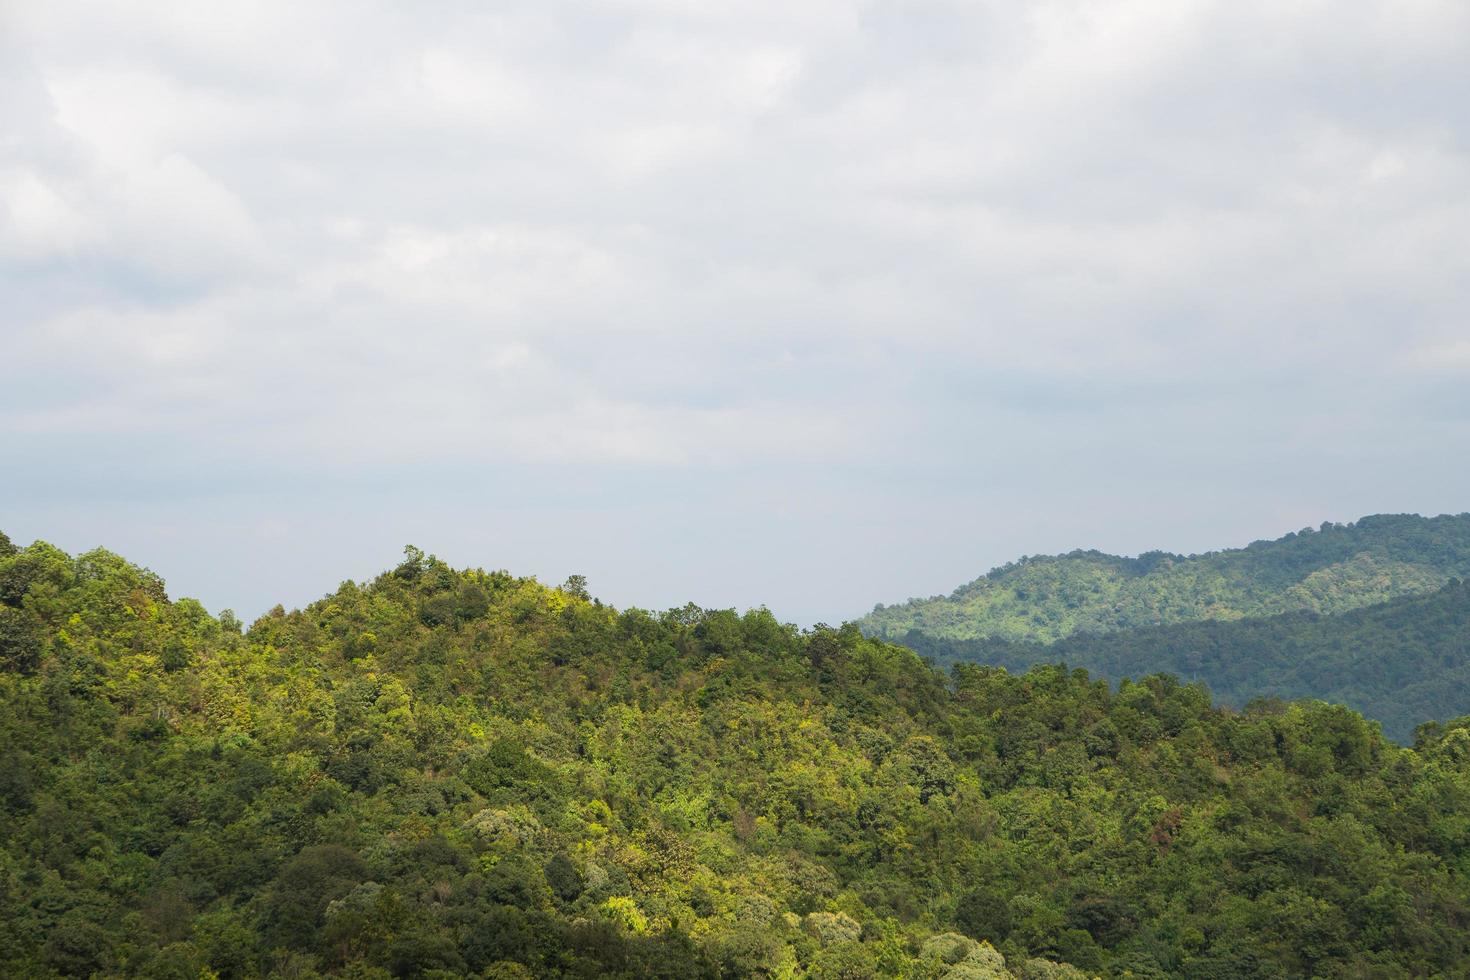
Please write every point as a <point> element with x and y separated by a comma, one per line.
<point>450,773</point>
<point>830,928</point>
<point>956,957</point>
<point>978,969</point>
<point>948,947</point>
<point>1329,570</point>
<point>1039,969</point>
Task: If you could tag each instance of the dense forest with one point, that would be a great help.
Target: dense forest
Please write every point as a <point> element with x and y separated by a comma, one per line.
<point>1330,570</point>
<point>1402,662</point>
<point>446,773</point>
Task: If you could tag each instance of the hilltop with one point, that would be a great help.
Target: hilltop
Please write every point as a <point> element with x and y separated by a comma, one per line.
<point>453,772</point>
<point>1402,663</point>
<point>1333,569</point>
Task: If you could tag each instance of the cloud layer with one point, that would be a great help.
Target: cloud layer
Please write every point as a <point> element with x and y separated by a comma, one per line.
<point>812,304</point>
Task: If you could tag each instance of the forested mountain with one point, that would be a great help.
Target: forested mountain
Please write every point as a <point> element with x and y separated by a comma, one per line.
<point>447,773</point>
<point>1330,570</point>
<point>1402,662</point>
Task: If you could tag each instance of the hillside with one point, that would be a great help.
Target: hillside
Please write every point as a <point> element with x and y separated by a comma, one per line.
<point>447,773</point>
<point>1402,662</point>
<point>1330,570</point>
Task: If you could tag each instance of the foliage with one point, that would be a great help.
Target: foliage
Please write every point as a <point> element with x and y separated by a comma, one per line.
<point>462,773</point>
<point>1333,569</point>
<point>1402,662</point>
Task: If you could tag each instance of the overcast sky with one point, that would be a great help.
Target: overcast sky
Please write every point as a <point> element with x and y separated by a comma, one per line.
<point>804,303</point>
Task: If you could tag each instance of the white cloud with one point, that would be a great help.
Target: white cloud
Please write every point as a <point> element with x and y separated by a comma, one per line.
<point>39,221</point>
<point>1451,358</point>
<point>720,241</point>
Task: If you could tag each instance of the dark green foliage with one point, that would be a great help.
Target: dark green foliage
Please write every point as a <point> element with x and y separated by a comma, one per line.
<point>21,637</point>
<point>418,953</point>
<point>298,898</point>
<point>982,913</point>
<point>1332,569</point>
<point>505,769</point>
<point>564,878</point>
<point>1400,662</point>
<point>446,773</point>
<point>77,947</point>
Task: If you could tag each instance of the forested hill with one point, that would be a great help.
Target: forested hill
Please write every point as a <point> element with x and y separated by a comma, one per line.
<point>447,773</point>
<point>1330,570</point>
<point>1402,662</point>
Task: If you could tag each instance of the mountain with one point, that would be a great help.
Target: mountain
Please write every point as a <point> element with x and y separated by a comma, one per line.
<point>1402,662</point>
<point>444,773</point>
<point>1330,570</point>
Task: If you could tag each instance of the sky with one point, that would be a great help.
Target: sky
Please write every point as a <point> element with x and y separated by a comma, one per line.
<point>810,305</point>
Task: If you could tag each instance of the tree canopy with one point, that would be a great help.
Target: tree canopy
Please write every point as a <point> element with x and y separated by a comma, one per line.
<point>1402,663</point>
<point>447,773</point>
<point>1331,569</point>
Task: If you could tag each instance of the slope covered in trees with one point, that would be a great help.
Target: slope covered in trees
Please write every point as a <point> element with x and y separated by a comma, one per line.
<point>459,773</point>
<point>1330,570</point>
<point>1402,663</point>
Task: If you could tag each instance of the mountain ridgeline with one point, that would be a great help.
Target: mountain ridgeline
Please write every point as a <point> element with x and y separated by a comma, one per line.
<point>459,773</point>
<point>1403,663</point>
<point>1334,569</point>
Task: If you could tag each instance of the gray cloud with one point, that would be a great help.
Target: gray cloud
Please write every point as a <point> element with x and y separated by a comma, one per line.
<point>810,304</point>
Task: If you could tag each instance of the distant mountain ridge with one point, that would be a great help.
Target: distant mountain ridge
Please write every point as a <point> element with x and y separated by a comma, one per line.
<point>1402,662</point>
<point>1329,570</point>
